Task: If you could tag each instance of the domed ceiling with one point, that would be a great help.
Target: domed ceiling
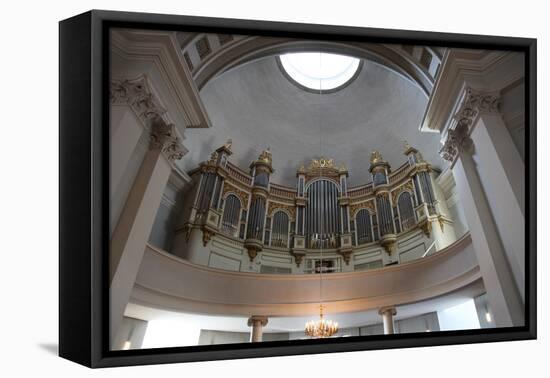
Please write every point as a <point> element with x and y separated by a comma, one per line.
<point>257,106</point>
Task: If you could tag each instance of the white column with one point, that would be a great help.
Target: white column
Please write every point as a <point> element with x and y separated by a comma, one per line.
<point>257,323</point>
<point>126,130</point>
<point>502,292</point>
<point>502,174</point>
<point>511,165</point>
<point>497,276</point>
<point>387,318</point>
<point>136,221</point>
<point>131,334</point>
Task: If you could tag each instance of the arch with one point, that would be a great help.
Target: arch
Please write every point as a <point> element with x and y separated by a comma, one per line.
<point>252,47</point>
<point>231,214</point>
<point>406,210</point>
<point>312,181</point>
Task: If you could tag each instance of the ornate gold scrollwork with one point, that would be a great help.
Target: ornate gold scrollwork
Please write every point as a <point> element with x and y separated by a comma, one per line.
<point>407,186</point>
<point>355,207</point>
<point>274,206</point>
<point>228,187</point>
<point>322,166</point>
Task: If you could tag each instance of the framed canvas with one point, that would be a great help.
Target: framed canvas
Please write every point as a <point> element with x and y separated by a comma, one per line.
<point>237,189</point>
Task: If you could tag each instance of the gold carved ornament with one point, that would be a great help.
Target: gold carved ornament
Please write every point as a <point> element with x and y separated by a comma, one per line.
<point>355,207</point>
<point>322,167</point>
<point>229,188</point>
<point>273,207</point>
<point>408,186</point>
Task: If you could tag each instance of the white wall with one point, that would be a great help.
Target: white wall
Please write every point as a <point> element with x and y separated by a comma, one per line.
<point>461,316</point>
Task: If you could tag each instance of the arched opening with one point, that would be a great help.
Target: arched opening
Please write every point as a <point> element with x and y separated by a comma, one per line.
<point>406,211</point>
<point>279,233</point>
<point>231,212</point>
<point>363,227</point>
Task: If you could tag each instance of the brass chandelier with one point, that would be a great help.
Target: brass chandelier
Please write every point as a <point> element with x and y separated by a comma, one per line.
<point>321,328</point>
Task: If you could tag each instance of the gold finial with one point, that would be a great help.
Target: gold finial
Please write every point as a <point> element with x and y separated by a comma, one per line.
<point>265,156</point>
<point>228,144</point>
<point>343,168</point>
<point>375,157</point>
<point>408,149</point>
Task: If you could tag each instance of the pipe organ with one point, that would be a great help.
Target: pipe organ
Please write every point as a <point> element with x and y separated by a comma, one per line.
<point>321,212</point>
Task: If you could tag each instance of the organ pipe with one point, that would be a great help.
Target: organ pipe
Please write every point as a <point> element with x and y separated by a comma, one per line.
<point>322,214</point>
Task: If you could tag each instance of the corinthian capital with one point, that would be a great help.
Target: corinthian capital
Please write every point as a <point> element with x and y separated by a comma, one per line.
<point>457,140</point>
<point>138,95</point>
<point>475,103</point>
<point>164,137</point>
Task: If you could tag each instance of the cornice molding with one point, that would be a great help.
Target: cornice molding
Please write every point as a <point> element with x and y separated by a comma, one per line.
<point>162,50</point>
<point>478,70</point>
<point>139,95</point>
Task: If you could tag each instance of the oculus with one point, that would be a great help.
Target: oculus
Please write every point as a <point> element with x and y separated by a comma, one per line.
<point>319,71</point>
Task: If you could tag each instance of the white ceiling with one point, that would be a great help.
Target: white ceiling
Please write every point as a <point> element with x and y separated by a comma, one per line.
<point>257,107</point>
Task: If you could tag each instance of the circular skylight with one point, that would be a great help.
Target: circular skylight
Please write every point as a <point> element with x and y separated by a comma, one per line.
<point>320,71</point>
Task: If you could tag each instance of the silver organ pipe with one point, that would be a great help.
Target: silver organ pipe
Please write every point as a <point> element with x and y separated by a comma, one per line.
<point>279,235</point>
<point>205,192</point>
<point>322,215</point>
<point>406,211</point>
<point>427,192</point>
<point>256,219</point>
<point>231,213</point>
<point>385,218</point>
<point>363,227</point>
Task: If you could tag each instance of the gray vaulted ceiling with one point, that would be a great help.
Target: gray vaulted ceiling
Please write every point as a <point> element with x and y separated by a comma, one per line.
<point>257,107</point>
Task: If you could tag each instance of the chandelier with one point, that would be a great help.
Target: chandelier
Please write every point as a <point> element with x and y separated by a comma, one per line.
<point>321,328</point>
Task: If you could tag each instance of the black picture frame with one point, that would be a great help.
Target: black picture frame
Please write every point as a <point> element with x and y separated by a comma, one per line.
<point>84,205</point>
